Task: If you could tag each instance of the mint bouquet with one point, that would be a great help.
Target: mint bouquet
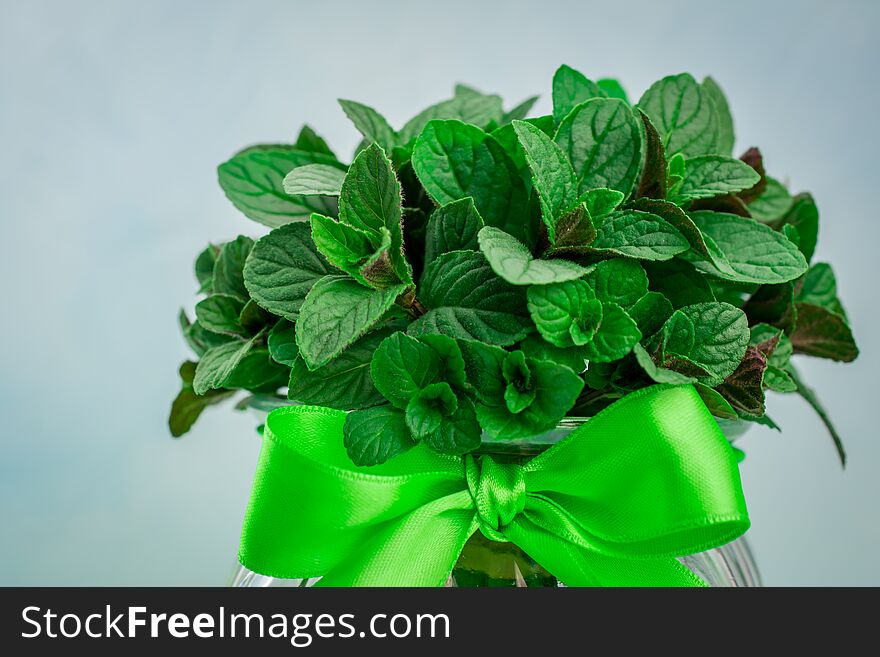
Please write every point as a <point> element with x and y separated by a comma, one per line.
<point>480,274</point>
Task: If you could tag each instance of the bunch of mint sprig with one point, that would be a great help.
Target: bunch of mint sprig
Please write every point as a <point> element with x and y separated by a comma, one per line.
<point>481,271</point>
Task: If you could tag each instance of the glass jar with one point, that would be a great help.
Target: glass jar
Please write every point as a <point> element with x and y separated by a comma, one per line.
<point>485,563</point>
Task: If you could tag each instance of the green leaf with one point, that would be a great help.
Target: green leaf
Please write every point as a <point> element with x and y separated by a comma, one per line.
<point>311,179</point>
<point>521,111</point>
<point>205,268</point>
<point>467,300</point>
<point>555,390</point>
<point>747,251</point>
<point>537,348</point>
<point>346,247</point>
<point>282,268</point>
<point>613,89</point>
<point>188,406</point>
<point>257,371</point>
<point>402,366</point>
<point>640,235</point>
<point>282,343</point>
<point>454,160</point>
<point>772,304</point>
<point>311,141</point>
<point>474,108</point>
<point>616,336</point>
<point>574,232</point>
<point>344,383</point>
<point>602,140</point>
<point>803,215</point>
<point>253,318</point>
<point>428,407</point>
<point>571,88</point>
<point>675,217</point>
<point>657,373</point>
<point>650,313</point>
<point>457,434</point>
<point>557,307</point>
<point>726,135</point>
<point>773,202</point>
<point>683,114</point>
<point>370,124</point>
<point>823,333</point>
<point>712,175</point>
<point>717,405</point>
<point>219,313</point>
<point>679,282</point>
<point>217,364</point>
<point>228,276</point>
<point>370,201</point>
<point>253,181</point>
<point>374,435</point>
<point>618,281</point>
<point>453,227</point>
<point>507,139</point>
<point>552,175</point>
<point>812,399</point>
<point>602,201</point>
<point>513,262</point>
<point>197,337</point>
<point>336,312</point>
<point>712,335</point>
<point>819,287</point>
<point>652,183</point>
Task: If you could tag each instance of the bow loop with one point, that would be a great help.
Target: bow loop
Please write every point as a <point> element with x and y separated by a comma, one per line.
<point>498,491</point>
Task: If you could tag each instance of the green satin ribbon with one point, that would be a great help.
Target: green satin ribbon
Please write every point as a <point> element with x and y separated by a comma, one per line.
<point>648,479</point>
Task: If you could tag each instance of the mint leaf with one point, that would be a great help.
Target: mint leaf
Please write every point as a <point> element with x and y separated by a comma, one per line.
<point>819,287</point>
<point>219,313</point>
<point>474,108</point>
<point>458,433</point>
<point>650,313</point>
<point>257,371</point>
<point>823,333</point>
<point>712,175</point>
<point>772,304</point>
<point>252,180</point>
<point>513,262</point>
<point>679,282</point>
<point>228,277</point>
<point>725,139</point>
<point>552,175</point>
<point>683,114</point>
<point>336,312</point>
<point>253,318</point>
<point>454,160</point>
<point>311,141</point>
<point>612,88</point>
<point>602,140</point>
<point>652,183</point>
<point>747,251</point>
<point>537,348</point>
<point>615,337</point>
<point>675,217</point>
<point>555,389</point>
<point>657,373</point>
<point>618,281</point>
<point>344,383</point>
<point>374,435</point>
<point>370,201</point>
<point>712,335</point>
<point>640,235</point>
<point>717,405</point>
<point>204,268</point>
<point>574,232</point>
<point>217,365</point>
<point>347,248</point>
<point>557,307</point>
<point>772,204</point>
<point>452,227</point>
<point>803,215</point>
<point>370,124</point>
<point>602,201</point>
<point>508,140</point>
<point>571,88</point>
<point>452,368</point>
<point>197,337</point>
<point>428,407</point>
<point>282,268</point>
<point>282,343</point>
<point>467,300</point>
<point>520,111</point>
<point>744,387</point>
<point>188,406</point>
<point>311,179</point>
<point>402,366</point>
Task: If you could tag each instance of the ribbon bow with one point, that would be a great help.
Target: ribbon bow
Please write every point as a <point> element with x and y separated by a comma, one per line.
<point>649,478</point>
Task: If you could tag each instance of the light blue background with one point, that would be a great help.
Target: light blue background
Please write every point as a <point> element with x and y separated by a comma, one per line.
<point>113,117</point>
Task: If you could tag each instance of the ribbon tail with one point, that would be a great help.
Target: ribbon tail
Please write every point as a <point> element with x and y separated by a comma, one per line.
<point>418,549</point>
<point>578,566</point>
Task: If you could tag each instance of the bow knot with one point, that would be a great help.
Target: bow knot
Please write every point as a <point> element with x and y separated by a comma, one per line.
<point>498,491</point>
